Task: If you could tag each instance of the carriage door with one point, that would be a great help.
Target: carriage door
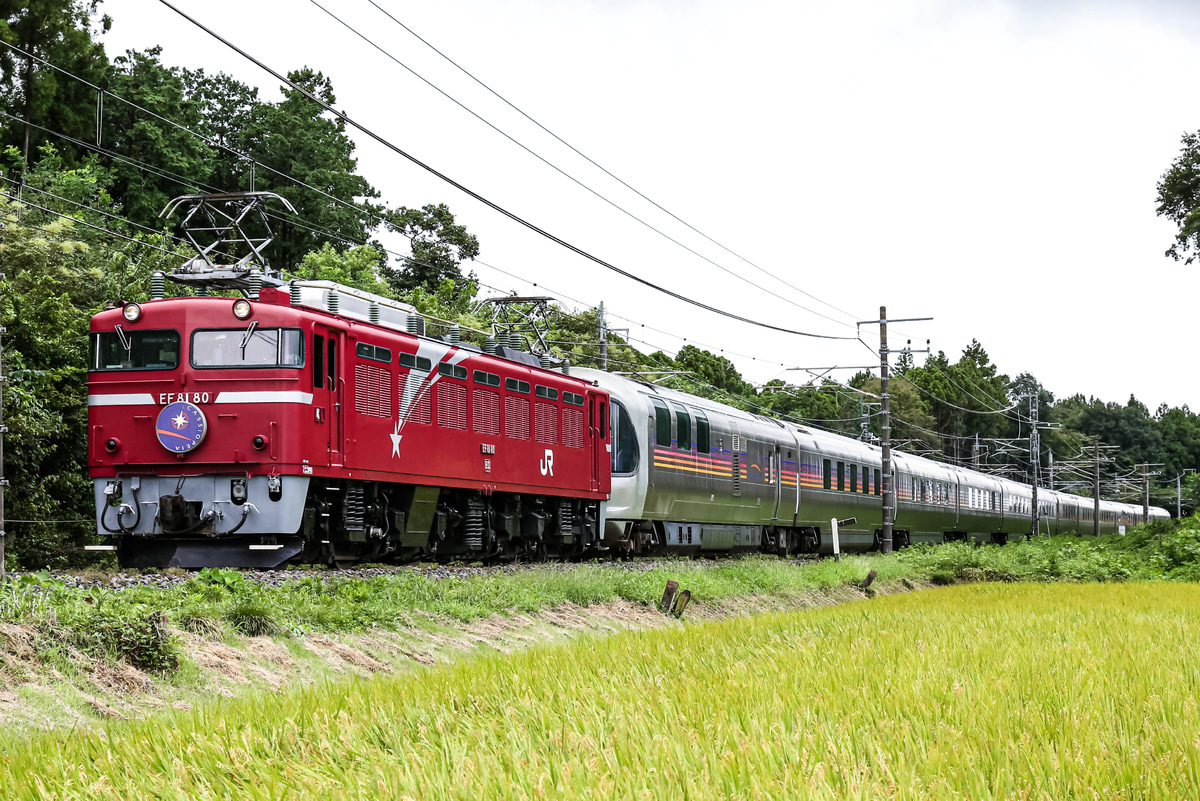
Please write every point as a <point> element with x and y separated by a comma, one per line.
<point>775,465</point>
<point>327,390</point>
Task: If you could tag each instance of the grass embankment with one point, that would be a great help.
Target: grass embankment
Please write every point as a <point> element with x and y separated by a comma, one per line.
<point>983,691</point>
<point>135,624</point>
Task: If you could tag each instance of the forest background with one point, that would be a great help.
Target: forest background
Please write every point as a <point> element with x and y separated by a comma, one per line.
<point>94,147</point>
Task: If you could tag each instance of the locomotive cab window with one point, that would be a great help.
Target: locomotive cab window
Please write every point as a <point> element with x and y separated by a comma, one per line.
<point>135,350</point>
<point>248,347</point>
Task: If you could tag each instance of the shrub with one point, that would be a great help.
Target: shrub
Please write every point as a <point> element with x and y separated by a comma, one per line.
<point>134,633</point>
<point>252,617</point>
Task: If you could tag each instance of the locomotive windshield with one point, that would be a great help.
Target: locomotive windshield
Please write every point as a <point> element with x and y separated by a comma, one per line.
<point>135,350</point>
<point>248,347</point>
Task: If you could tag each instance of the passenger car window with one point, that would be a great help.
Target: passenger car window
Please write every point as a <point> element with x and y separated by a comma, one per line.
<point>624,440</point>
<point>662,423</point>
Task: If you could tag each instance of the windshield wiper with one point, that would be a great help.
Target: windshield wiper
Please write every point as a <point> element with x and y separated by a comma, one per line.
<point>246,336</point>
<point>126,342</point>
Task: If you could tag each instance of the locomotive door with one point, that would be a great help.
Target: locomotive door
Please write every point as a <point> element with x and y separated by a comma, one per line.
<point>598,434</point>
<point>327,390</point>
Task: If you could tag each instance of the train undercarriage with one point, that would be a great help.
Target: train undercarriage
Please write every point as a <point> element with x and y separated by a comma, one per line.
<point>177,523</point>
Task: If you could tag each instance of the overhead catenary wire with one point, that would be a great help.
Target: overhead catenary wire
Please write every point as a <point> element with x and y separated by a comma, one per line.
<point>28,188</point>
<point>207,140</point>
<point>360,210</point>
<point>187,183</point>
<point>600,167</point>
<point>564,173</point>
<point>299,222</point>
<point>489,203</point>
<point>78,221</point>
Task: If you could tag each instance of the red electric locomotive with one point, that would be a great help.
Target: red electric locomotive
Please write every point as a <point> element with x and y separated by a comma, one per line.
<point>309,422</point>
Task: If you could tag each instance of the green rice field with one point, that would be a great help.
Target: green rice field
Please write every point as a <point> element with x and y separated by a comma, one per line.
<point>1061,691</point>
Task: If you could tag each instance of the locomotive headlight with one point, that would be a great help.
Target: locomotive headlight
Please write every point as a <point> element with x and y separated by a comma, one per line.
<point>237,491</point>
<point>112,444</point>
<point>259,442</point>
<point>132,312</point>
<point>241,309</point>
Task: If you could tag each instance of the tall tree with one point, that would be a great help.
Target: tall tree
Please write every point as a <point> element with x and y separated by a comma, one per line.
<point>59,32</point>
<point>57,274</point>
<point>226,107</point>
<point>1179,199</point>
<point>298,138</point>
<point>439,246</point>
<point>164,159</point>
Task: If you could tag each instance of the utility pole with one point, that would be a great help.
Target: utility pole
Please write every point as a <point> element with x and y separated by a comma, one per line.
<point>885,428</point>
<point>603,340</point>
<point>1096,492</point>
<point>3,429</point>
<point>1146,488</point>
<point>1179,492</point>
<point>1035,457</point>
<point>1145,494</point>
<point>885,411</point>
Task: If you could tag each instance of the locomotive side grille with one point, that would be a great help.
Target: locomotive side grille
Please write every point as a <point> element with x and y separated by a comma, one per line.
<point>372,391</point>
<point>516,417</point>
<point>421,410</point>
<point>572,428</point>
<point>486,412</point>
<point>545,423</point>
<point>452,406</point>
<point>737,472</point>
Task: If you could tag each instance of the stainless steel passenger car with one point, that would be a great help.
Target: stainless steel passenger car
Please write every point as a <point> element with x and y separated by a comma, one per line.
<point>692,475</point>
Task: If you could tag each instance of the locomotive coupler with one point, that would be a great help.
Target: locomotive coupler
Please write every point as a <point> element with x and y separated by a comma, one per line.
<point>177,515</point>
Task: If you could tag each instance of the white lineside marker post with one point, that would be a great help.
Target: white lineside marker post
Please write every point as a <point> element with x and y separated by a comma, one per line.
<point>837,547</point>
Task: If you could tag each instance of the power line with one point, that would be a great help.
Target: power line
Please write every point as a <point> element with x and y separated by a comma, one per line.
<point>86,224</point>
<point>558,169</point>
<point>598,166</point>
<point>207,140</point>
<point>480,198</point>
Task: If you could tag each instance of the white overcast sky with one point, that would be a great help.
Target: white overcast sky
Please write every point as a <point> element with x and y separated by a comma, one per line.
<point>989,164</point>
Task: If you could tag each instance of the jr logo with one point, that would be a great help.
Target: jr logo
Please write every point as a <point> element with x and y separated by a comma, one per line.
<point>547,463</point>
